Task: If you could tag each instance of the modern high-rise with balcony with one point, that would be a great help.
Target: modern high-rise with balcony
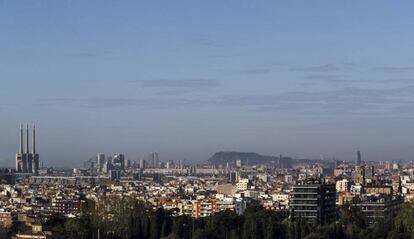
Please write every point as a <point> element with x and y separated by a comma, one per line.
<point>314,202</point>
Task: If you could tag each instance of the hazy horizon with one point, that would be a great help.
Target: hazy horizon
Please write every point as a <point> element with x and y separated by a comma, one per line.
<point>190,78</point>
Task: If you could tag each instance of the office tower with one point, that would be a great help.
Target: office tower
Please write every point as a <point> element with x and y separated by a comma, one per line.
<point>314,202</point>
<point>101,161</point>
<point>238,163</point>
<point>179,164</point>
<point>142,164</point>
<point>359,158</point>
<point>26,161</point>
<point>154,160</point>
<point>119,161</point>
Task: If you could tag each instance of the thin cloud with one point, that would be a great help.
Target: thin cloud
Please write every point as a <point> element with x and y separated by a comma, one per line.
<point>400,80</point>
<point>343,101</point>
<point>91,53</point>
<point>84,54</point>
<point>226,55</point>
<point>147,103</point>
<point>323,77</point>
<point>203,40</point>
<point>186,83</point>
<point>174,92</point>
<point>319,68</point>
<point>258,71</point>
<point>395,69</point>
<point>343,79</point>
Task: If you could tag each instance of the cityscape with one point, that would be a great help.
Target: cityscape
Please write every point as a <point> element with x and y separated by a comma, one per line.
<point>218,119</point>
<point>308,192</point>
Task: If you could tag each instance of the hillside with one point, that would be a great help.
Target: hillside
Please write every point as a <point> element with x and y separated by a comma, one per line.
<point>246,158</point>
<point>252,158</point>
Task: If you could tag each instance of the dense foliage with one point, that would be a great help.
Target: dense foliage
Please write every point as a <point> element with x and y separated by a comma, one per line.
<point>127,218</point>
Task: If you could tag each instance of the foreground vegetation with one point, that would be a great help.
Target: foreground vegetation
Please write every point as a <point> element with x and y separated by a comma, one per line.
<point>127,218</point>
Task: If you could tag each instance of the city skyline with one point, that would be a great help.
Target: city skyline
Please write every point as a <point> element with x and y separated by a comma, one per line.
<point>188,79</point>
<point>27,160</point>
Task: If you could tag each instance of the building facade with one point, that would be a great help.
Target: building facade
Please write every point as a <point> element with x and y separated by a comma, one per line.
<point>378,207</point>
<point>314,202</point>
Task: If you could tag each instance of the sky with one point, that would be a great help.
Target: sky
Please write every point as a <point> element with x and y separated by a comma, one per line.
<point>189,78</point>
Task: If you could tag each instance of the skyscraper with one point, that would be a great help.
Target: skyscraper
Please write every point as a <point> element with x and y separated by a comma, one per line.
<point>119,160</point>
<point>101,161</point>
<point>26,161</point>
<point>153,159</point>
<point>142,164</point>
<point>359,158</point>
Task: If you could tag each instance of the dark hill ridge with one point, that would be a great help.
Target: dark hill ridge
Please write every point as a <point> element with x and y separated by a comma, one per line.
<point>252,158</point>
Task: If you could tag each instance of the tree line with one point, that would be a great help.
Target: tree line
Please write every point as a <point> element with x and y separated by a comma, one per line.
<point>127,218</point>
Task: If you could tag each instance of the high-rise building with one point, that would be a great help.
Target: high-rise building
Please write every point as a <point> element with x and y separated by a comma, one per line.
<point>154,160</point>
<point>314,201</point>
<point>119,160</point>
<point>359,158</point>
<point>142,164</point>
<point>179,164</point>
<point>101,161</point>
<point>26,161</point>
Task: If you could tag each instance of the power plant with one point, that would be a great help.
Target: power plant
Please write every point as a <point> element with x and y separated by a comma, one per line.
<point>26,161</point>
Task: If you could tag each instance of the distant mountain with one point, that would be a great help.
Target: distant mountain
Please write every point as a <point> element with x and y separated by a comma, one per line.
<point>246,158</point>
<point>252,158</point>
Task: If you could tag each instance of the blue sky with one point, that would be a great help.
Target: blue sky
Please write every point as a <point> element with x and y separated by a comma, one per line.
<point>188,78</point>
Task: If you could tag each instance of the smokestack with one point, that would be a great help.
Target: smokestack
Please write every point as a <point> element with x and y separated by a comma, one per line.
<point>27,139</point>
<point>21,139</point>
<point>34,140</point>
